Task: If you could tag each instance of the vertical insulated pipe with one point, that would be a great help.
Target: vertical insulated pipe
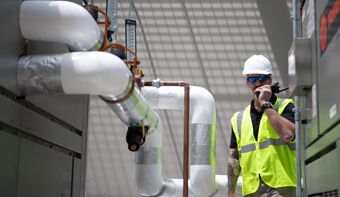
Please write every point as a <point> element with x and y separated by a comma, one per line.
<point>202,110</point>
<point>148,164</point>
<point>186,129</point>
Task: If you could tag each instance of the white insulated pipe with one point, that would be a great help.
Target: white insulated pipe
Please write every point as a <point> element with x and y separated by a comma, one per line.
<point>60,21</point>
<point>148,164</point>
<point>174,187</point>
<point>202,103</point>
<point>96,73</point>
<point>202,106</point>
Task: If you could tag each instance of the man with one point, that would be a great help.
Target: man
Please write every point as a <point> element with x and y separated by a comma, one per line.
<point>262,143</point>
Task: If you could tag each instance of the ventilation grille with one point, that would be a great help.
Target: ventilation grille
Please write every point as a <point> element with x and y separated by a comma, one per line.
<point>332,193</point>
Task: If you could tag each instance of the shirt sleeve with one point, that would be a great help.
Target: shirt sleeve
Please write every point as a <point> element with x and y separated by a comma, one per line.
<point>233,143</point>
<point>288,112</point>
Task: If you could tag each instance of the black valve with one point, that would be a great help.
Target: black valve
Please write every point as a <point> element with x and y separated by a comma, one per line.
<point>119,52</point>
<point>109,35</point>
<point>135,137</point>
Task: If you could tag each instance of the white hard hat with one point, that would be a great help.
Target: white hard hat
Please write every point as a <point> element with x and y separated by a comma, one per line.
<point>257,64</point>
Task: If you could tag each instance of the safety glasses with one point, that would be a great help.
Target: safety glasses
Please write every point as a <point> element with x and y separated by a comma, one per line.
<point>254,79</point>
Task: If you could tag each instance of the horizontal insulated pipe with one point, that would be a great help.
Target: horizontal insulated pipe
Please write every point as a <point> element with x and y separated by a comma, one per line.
<point>202,105</point>
<point>60,21</point>
<point>96,73</point>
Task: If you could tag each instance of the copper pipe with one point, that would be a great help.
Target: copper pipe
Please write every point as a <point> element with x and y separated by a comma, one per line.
<point>186,128</point>
<point>186,140</point>
<point>147,83</point>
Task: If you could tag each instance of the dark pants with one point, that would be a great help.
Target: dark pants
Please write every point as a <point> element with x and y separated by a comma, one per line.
<point>266,191</point>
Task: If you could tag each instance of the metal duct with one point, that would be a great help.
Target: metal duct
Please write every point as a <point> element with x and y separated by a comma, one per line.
<point>60,21</point>
<point>202,105</point>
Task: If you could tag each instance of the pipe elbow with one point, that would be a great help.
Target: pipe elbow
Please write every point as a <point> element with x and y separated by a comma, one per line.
<point>200,93</point>
<point>60,21</point>
<point>203,105</point>
<point>97,73</point>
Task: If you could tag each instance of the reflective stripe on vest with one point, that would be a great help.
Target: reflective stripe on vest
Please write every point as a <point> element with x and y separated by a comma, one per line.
<point>265,144</point>
<point>276,142</point>
<point>276,106</point>
<point>239,122</point>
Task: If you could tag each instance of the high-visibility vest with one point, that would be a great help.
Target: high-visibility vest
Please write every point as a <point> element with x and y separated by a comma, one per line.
<point>269,157</point>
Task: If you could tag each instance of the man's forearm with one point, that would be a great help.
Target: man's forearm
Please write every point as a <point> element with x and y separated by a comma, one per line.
<point>282,126</point>
<point>232,176</point>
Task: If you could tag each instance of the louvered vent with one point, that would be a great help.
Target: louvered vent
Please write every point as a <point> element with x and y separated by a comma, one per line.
<point>331,193</point>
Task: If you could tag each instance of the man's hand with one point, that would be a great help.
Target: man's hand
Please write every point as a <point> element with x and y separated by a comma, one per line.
<point>233,171</point>
<point>265,93</point>
<point>231,194</point>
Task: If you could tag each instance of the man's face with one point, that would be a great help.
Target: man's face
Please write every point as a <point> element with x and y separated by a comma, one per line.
<point>256,80</point>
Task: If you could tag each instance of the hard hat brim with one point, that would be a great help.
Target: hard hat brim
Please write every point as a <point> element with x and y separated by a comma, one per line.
<point>256,72</point>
